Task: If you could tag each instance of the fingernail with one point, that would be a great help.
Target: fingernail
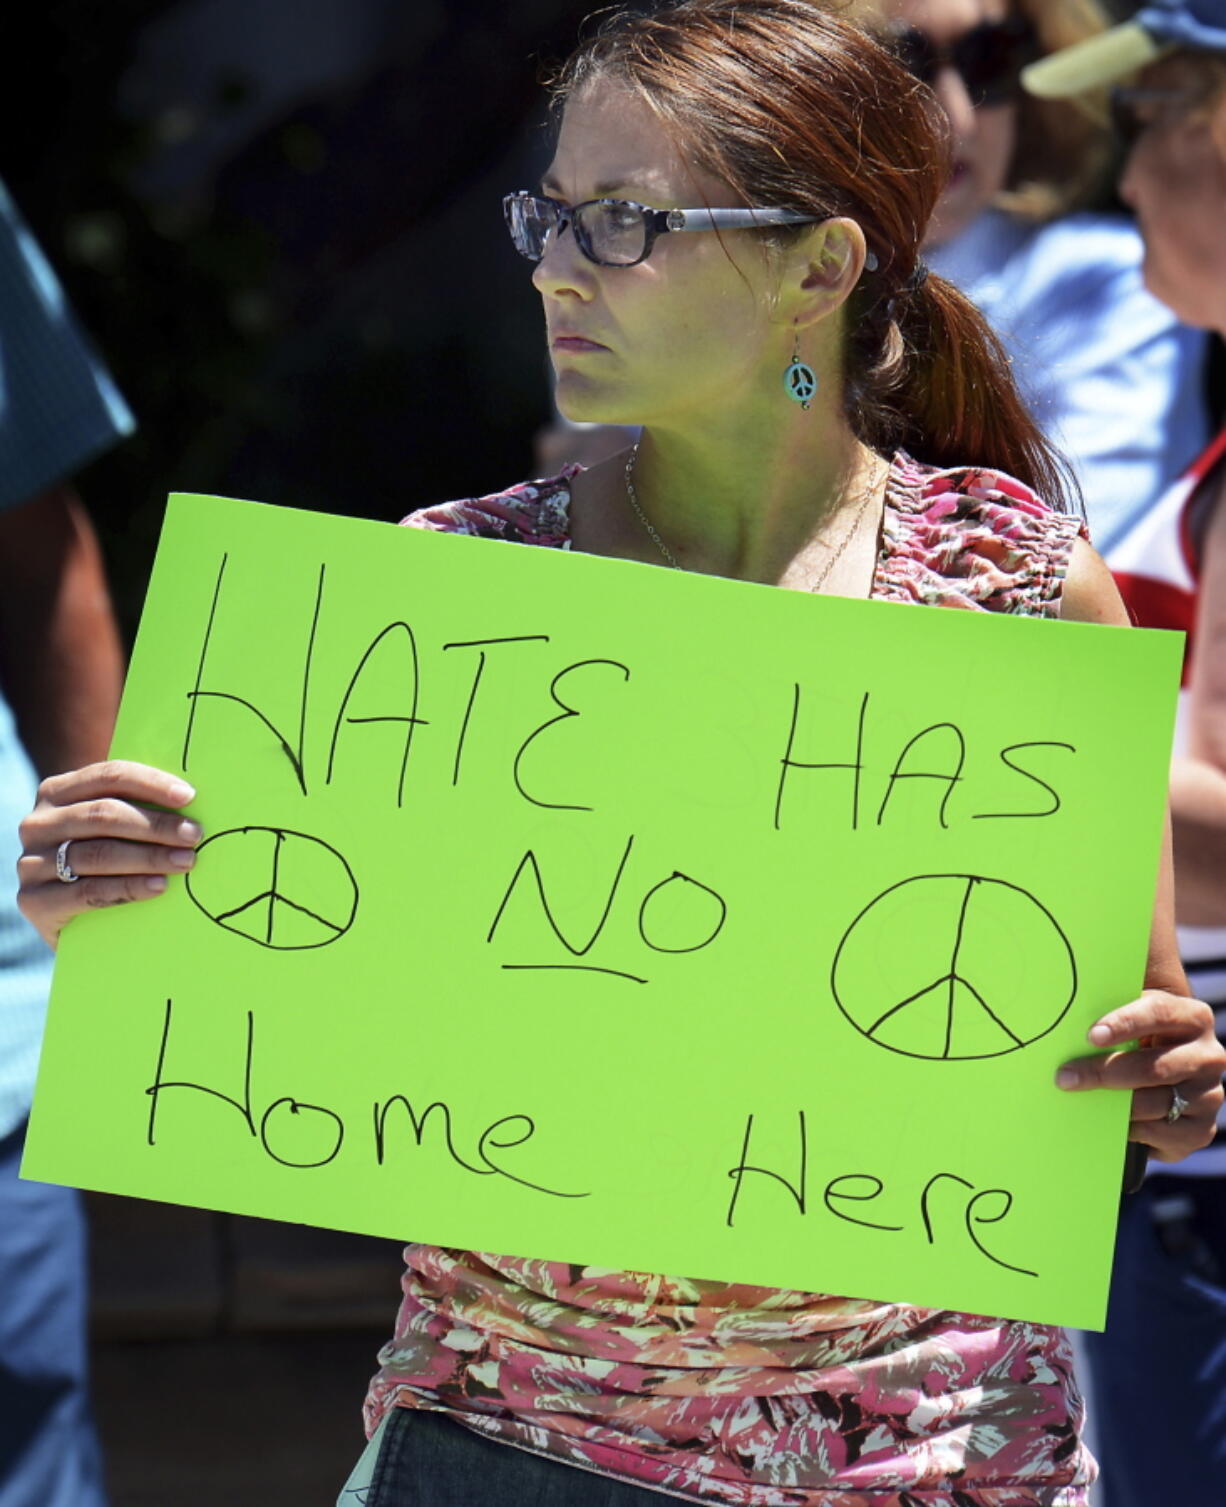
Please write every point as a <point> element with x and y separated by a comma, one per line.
<point>1100,1034</point>
<point>189,831</point>
<point>181,792</point>
<point>155,883</point>
<point>1067,1077</point>
<point>182,858</point>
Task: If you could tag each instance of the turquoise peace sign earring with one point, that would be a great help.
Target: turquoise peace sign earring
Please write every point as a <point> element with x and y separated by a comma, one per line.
<point>800,380</point>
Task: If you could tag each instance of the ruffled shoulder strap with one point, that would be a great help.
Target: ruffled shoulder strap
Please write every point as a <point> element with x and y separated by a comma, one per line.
<point>966,536</point>
<point>972,537</point>
<point>534,512</point>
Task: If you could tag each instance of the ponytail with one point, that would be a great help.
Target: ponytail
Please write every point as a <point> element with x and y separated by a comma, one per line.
<point>928,373</point>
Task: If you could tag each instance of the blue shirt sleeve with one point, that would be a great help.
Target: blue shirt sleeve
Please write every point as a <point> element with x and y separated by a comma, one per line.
<point>58,405</point>
<point>1117,379</point>
<point>58,409</point>
<point>1108,371</point>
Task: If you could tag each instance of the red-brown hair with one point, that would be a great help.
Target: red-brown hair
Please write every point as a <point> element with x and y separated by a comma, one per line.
<point>795,107</point>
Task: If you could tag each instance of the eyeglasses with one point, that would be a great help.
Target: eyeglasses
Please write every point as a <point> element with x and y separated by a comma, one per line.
<point>618,232</point>
<point>988,59</point>
<point>1135,109</point>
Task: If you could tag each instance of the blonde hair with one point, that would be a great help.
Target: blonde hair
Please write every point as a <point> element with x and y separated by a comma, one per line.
<point>1064,147</point>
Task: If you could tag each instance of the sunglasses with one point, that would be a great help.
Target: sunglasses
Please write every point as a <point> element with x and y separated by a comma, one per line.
<point>1135,110</point>
<point>618,232</point>
<point>988,59</point>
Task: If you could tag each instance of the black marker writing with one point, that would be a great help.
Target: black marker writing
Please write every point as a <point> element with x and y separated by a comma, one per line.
<point>565,715</point>
<point>788,762</point>
<point>306,897</point>
<point>411,721</point>
<point>483,644</point>
<point>293,752</point>
<point>844,1188</point>
<point>304,1136</point>
<point>335,1129</point>
<point>484,1166</point>
<point>829,1196</point>
<point>488,1137</point>
<point>678,914</point>
<point>956,1011</point>
<point>419,1123</point>
<point>1027,774</point>
<point>529,860</point>
<point>658,892</point>
<point>972,1219</point>
<point>969,1216</point>
<point>160,1085</point>
<point>951,777</point>
<point>569,968</point>
<point>797,1189</point>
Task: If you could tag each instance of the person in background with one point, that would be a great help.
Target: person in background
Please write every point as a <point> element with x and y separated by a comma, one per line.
<point>1159,1370</point>
<point>1109,372</point>
<point>60,674</point>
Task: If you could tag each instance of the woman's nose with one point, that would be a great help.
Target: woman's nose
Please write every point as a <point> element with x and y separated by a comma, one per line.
<point>1127,185</point>
<point>563,268</point>
<point>950,89</point>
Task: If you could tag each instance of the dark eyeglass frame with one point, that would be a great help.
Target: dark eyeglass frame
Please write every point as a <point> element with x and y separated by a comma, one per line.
<point>656,222</point>
<point>988,59</point>
<point>1126,99</point>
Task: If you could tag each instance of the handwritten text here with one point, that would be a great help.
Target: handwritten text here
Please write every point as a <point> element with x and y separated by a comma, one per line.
<point>595,912</point>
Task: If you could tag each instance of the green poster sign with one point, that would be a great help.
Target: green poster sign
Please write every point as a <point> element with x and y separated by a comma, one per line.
<point>583,910</point>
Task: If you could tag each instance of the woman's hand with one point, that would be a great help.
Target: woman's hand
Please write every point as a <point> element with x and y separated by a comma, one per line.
<point>118,849</point>
<point>1177,1053</point>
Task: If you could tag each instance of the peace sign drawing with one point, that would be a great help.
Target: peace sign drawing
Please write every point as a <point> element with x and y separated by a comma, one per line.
<point>990,970</point>
<point>280,889</point>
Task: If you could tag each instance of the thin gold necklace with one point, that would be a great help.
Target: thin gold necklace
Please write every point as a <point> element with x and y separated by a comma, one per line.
<point>863,501</point>
<point>642,517</point>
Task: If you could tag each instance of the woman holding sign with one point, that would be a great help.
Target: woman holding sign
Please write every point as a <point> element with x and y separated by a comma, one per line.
<point>726,246</point>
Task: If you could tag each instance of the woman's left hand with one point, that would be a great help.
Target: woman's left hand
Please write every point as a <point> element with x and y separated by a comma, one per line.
<point>1173,1051</point>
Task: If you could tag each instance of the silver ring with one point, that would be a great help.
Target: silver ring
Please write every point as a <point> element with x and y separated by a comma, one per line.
<point>1178,1105</point>
<point>64,871</point>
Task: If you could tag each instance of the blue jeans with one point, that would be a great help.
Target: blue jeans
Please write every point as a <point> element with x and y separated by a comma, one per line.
<point>48,1450</point>
<point>427,1460</point>
<point>1159,1371</point>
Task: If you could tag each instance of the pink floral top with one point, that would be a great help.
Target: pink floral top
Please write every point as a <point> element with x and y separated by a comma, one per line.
<point>751,1395</point>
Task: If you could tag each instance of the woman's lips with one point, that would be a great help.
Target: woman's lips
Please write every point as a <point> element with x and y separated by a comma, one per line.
<point>576,343</point>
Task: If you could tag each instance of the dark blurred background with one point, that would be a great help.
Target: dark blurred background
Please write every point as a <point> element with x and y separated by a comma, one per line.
<point>280,221</point>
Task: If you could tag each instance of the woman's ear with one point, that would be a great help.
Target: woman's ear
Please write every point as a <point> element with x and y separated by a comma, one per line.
<point>831,260</point>
<point>836,255</point>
